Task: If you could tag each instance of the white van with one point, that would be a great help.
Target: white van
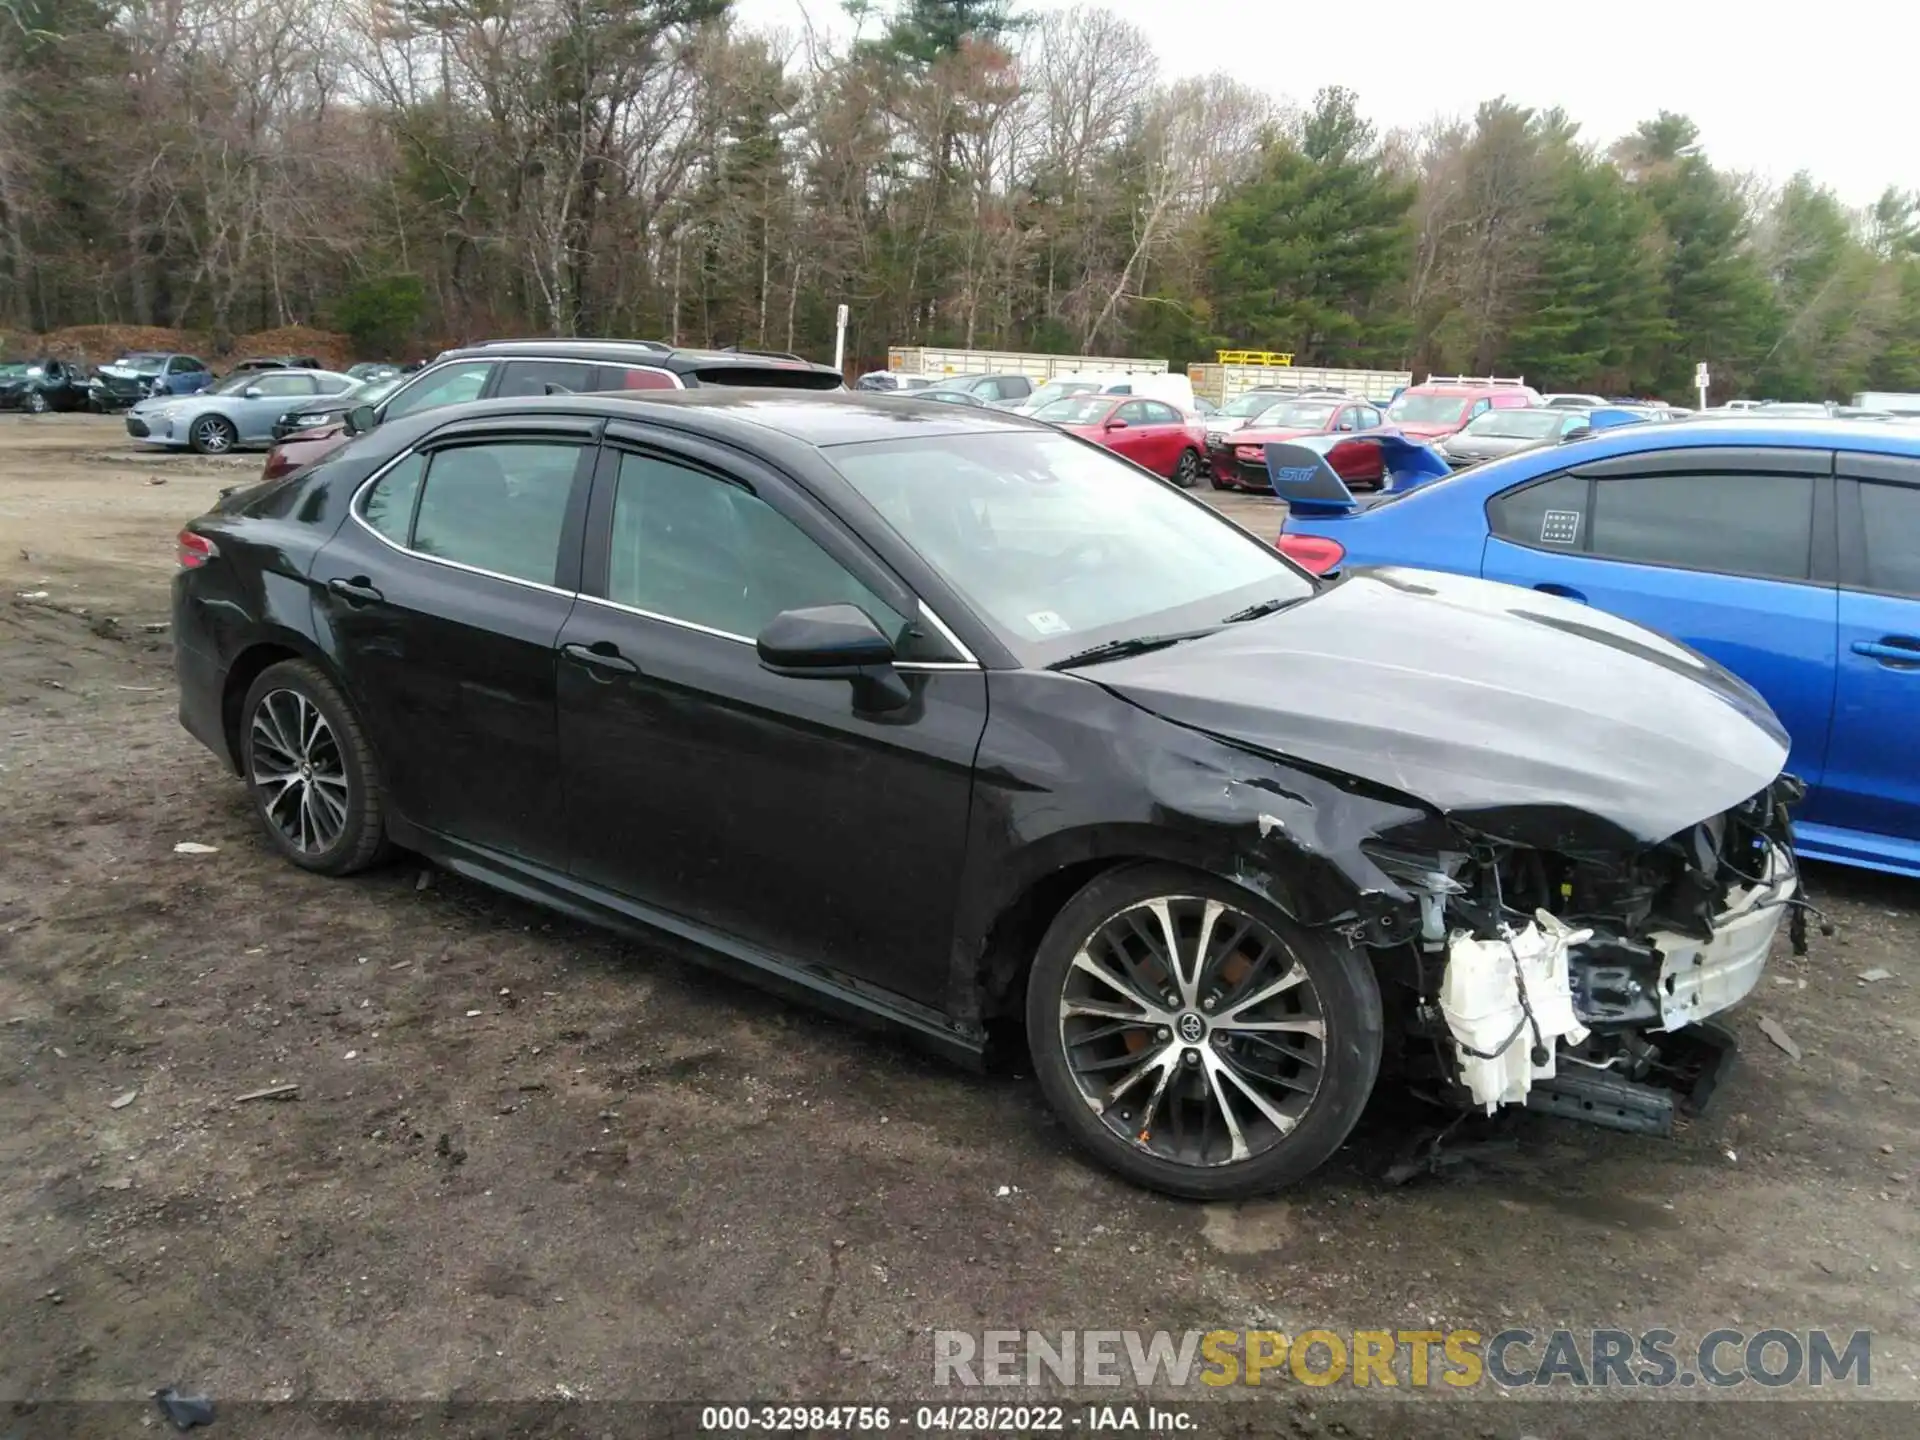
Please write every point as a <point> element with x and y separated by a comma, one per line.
<point>1175,390</point>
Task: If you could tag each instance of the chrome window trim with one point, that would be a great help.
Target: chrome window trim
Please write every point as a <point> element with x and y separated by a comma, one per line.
<point>354,507</point>
<point>359,496</point>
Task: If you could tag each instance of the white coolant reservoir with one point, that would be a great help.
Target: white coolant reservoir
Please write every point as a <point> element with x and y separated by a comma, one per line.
<point>1480,996</point>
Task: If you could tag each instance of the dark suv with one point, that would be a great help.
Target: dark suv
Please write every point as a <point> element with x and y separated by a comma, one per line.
<point>502,369</point>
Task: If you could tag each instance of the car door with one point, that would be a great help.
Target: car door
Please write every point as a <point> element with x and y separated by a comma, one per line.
<point>1156,436</point>
<point>1872,781</point>
<point>765,807</point>
<point>1728,550</point>
<point>441,601</point>
<point>268,395</point>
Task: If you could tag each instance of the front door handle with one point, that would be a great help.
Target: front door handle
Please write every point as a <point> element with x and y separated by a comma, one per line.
<point>601,655</point>
<point>357,591</point>
<point>1565,592</point>
<point>1900,652</point>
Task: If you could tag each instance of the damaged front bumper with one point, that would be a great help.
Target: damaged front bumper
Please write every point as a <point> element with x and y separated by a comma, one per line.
<point>1599,1016</point>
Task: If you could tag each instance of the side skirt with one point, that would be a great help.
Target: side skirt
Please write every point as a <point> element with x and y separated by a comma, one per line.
<point>813,985</point>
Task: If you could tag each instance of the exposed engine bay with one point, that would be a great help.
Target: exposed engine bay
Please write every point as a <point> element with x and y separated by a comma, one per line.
<point>1580,984</point>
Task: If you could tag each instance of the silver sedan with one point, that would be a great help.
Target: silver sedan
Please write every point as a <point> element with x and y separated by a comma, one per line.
<point>239,410</point>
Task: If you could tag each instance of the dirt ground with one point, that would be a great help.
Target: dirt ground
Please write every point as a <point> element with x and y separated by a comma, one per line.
<point>530,1161</point>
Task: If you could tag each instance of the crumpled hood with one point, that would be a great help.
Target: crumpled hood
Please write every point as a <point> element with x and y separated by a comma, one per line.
<point>1521,715</point>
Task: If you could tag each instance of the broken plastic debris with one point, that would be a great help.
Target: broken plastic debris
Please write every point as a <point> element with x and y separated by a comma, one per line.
<point>185,1411</point>
<point>120,1102</point>
<point>1730,1155</point>
<point>1875,975</point>
<point>1005,1190</point>
<point>1494,1035</point>
<point>1773,1030</point>
<point>33,594</point>
<point>472,1013</point>
<point>194,847</point>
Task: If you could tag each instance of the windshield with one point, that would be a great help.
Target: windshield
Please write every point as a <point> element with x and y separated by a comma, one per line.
<point>372,392</point>
<point>141,364</point>
<point>10,370</point>
<point>1059,389</point>
<point>1522,424</point>
<point>1058,545</point>
<point>1297,415</point>
<point>1080,410</point>
<point>1411,409</point>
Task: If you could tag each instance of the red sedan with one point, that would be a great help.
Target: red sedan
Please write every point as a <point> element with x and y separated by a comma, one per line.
<point>1239,457</point>
<point>1150,433</point>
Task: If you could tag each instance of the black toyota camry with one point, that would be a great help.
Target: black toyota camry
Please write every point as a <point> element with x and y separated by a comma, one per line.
<point>947,719</point>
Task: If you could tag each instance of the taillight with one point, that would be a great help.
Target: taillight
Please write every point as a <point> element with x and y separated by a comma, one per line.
<point>195,550</point>
<point>1313,553</point>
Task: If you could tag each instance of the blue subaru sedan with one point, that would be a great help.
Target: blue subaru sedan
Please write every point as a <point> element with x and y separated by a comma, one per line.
<point>1789,551</point>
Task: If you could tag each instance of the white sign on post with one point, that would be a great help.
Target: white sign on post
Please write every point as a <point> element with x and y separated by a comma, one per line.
<point>840,338</point>
<point>1700,382</point>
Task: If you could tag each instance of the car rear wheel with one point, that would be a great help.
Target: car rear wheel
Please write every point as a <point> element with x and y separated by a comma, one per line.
<point>1195,1040</point>
<point>212,435</point>
<point>1186,471</point>
<point>311,771</point>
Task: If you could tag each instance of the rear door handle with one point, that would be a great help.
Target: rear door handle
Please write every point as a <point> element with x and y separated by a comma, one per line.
<point>1565,592</point>
<point>1900,651</point>
<point>601,655</point>
<point>359,590</point>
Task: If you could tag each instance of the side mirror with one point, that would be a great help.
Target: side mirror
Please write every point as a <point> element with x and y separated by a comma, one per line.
<point>1116,424</point>
<point>1579,432</point>
<point>361,419</point>
<point>252,392</point>
<point>834,642</point>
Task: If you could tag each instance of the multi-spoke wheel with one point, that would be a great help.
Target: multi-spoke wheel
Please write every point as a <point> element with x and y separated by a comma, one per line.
<point>311,771</point>
<point>212,435</point>
<point>1186,473</point>
<point>1197,1041</point>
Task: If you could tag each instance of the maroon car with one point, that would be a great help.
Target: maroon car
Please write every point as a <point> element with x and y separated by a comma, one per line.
<point>1239,457</point>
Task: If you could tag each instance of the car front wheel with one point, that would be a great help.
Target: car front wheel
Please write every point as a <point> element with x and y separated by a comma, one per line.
<point>1195,1040</point>
<point>36,402</point>
<point>315,786</point>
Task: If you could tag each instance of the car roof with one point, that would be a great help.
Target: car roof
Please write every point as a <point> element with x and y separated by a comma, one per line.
<point>1885,438</point>
<point>637,352</point>
<point>820,418</point>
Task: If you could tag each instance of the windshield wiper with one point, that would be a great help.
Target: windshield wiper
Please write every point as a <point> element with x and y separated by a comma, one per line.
<point>1265,607</point>
<point>1121,649</point>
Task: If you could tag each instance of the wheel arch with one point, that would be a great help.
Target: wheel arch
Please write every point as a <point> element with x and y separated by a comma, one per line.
<point>249,662</point>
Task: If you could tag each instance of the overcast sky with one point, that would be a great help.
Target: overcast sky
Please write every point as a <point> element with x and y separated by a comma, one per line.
<point>1774,87</point>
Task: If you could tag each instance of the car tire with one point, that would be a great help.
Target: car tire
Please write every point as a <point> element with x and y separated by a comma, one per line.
<point>1270,977</point>
<point>1186,470</point>
<point>36,402</point>
<point>315,785</point>
<point>212,435</point>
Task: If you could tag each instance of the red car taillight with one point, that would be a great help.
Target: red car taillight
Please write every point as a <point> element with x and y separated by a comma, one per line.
<point>195,550</point>
<point>1313,553</point>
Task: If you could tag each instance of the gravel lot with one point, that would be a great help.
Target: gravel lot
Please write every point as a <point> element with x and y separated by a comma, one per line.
<point>528,1160</point>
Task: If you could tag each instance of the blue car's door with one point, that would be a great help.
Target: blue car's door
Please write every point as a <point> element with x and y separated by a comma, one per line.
<point>1730,550</point>
<point>1873,769</point>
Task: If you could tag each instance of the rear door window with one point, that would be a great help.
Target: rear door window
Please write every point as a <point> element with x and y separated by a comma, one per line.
<point>544,377</point>
<point>635,377</point>
<point>498,507</point>
<point>1159,413</point>
<point>1731,523</point>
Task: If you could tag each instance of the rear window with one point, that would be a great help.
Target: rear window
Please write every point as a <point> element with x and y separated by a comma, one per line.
<point>766,377</point>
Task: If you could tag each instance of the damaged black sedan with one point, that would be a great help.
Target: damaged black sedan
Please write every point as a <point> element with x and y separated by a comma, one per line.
<point>946,719</point>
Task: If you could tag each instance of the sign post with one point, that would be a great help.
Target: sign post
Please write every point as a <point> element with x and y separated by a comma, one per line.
<point>840,338</point>
<point>1700,381</point>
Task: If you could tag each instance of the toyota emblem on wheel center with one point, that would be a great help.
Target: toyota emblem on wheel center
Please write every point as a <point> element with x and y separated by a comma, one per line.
<point>1192,1028</point>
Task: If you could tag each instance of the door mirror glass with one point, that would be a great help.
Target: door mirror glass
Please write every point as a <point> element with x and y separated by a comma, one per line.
<point>825,641</point>
<point>252,392</point>
<point>361,419</point>
<point>1116,424</point>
